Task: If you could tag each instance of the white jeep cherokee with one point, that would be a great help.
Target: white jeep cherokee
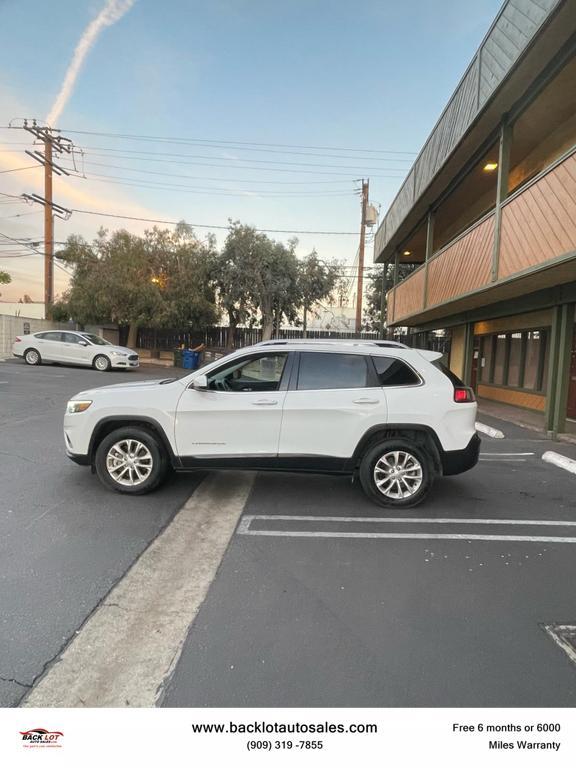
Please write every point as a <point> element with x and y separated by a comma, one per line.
<point>395,417</point>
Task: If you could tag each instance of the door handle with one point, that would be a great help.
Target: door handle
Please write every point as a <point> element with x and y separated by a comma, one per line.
<point>366,401</point>
<point>265,402</point>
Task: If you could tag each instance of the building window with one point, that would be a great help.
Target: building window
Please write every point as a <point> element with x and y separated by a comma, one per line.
<point>500,359</point>
<point>515,360</point>
<point>518,360</point>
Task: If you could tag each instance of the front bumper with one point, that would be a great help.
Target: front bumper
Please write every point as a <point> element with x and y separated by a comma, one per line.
<point>79,458</point>
<point>124,363</point>
<point>456,462</point>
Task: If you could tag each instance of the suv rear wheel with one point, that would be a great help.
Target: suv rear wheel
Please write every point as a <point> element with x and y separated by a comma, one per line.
<point>397,473</point>
<point>131,460</point>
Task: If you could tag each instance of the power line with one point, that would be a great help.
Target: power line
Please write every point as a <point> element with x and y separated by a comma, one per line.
<point>208,226</point>
<point>25,168</point>
<point>127,181</point>
<point>218,142</point>
<point>214,178</point>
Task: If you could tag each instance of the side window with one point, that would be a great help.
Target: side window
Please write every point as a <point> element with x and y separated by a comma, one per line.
<point>70,338</point>
<point>52,336</point>
<point>257,374</point>
<point>394,373</point>
<point>325,370</point>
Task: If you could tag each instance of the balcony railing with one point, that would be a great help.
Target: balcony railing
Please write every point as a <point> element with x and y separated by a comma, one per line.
<point>538,226</point>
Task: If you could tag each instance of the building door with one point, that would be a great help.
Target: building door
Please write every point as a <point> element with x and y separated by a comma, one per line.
<point>571,410</point>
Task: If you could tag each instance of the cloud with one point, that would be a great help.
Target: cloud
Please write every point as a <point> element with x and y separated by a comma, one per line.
<point>109,15</point>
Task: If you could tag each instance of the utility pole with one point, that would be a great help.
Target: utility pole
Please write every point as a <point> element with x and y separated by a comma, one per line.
<point>48,230</point>
<point>53,143</point>
<point>360,285</point>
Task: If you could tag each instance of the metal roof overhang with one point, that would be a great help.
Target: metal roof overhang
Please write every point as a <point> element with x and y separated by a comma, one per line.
<point>556,31</point>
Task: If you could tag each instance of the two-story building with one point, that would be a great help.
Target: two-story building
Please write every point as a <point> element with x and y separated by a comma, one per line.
<point>488,215</point>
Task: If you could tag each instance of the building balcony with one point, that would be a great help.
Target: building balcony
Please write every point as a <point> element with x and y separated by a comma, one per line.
<point>536,249</point>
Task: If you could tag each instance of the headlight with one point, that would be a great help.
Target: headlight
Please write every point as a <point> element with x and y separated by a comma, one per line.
<point>77,406</point>
<point>120,354</point>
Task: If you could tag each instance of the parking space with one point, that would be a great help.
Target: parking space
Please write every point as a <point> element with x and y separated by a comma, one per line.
<point>64,540</point>
<point>324,599</point>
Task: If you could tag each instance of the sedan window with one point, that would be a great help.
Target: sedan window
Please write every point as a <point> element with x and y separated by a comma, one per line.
<point>71,338</point>
<point>98,340</point>
<point>324,370</point>
<point>51,336</point>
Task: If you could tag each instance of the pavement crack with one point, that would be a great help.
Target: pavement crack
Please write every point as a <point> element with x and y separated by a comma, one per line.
<point>13,680</point>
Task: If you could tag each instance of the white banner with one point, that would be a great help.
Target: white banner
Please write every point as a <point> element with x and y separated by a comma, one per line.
<point>321,737</point>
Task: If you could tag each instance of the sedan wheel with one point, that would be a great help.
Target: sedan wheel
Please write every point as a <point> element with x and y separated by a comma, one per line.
<point>102,363</point>
<point>32,357</point>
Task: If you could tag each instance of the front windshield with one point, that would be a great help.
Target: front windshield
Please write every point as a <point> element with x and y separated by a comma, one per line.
<point>91,337</point>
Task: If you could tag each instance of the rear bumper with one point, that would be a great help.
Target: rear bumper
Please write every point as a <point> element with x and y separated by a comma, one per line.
<point>456,462</point>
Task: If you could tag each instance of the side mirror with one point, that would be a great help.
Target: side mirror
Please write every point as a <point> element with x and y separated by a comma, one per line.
<point>200,382</point>
<point>83,343</point>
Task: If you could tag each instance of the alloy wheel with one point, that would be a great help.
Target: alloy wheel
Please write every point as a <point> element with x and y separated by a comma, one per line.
<point>398,475</point>
<point>129,462</point>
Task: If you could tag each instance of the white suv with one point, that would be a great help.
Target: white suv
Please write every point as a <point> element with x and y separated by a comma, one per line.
<point>394,417</point>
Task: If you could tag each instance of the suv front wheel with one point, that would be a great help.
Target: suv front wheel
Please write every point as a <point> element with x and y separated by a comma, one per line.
<point>397,473</point>
<point>131,460</point>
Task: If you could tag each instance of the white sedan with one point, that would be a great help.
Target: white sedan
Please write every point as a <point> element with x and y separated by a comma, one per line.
<point>75,348</point>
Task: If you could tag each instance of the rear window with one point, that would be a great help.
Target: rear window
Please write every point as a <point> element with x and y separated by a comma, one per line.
<point>457,382</point>
<point>394,373</point>
<point>324,370</point>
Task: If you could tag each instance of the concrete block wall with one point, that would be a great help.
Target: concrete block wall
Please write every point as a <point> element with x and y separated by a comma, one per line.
<point>11,326</point>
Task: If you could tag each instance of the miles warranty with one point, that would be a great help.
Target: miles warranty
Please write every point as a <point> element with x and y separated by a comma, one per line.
<point>543,745</point>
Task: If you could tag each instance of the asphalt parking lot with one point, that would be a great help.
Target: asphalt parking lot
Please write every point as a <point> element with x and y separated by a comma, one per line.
<point>314,604</point>
<point>321,598</point>
<point>64,540</point>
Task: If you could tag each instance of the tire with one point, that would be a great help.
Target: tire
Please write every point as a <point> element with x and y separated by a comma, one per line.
<point>411,484</point>
<point>32,357</point>
<point>101,363</point>
<point>122,476</point>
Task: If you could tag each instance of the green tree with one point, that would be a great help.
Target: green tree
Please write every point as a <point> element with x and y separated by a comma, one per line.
<point>256,278</point>
<point>4,278</point>
<point>316,281</point>
<point>160,279</point>
<point>373,304</point>
<point>232,275</point>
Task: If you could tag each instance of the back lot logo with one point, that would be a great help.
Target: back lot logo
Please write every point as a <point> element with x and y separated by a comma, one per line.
<point>40,737</point>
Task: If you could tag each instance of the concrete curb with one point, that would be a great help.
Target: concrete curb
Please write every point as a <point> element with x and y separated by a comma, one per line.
<point>551,457</point>
<point>490,431</point>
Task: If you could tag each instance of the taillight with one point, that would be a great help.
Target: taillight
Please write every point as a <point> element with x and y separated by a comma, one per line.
<point>464,395</point>
<point>17,339</point>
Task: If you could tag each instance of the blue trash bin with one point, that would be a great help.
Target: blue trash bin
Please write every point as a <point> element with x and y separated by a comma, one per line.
<point>190,359</point>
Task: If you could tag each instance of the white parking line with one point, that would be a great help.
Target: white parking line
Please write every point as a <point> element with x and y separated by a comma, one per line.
<point>244,528</point>
<point>248,519</point>
<point>429,536</point>
<point>490,431</point>
<point>507,454</point>
<point>560,461</point>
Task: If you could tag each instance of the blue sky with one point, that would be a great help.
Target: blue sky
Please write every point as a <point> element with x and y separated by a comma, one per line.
<point>372,75</point>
